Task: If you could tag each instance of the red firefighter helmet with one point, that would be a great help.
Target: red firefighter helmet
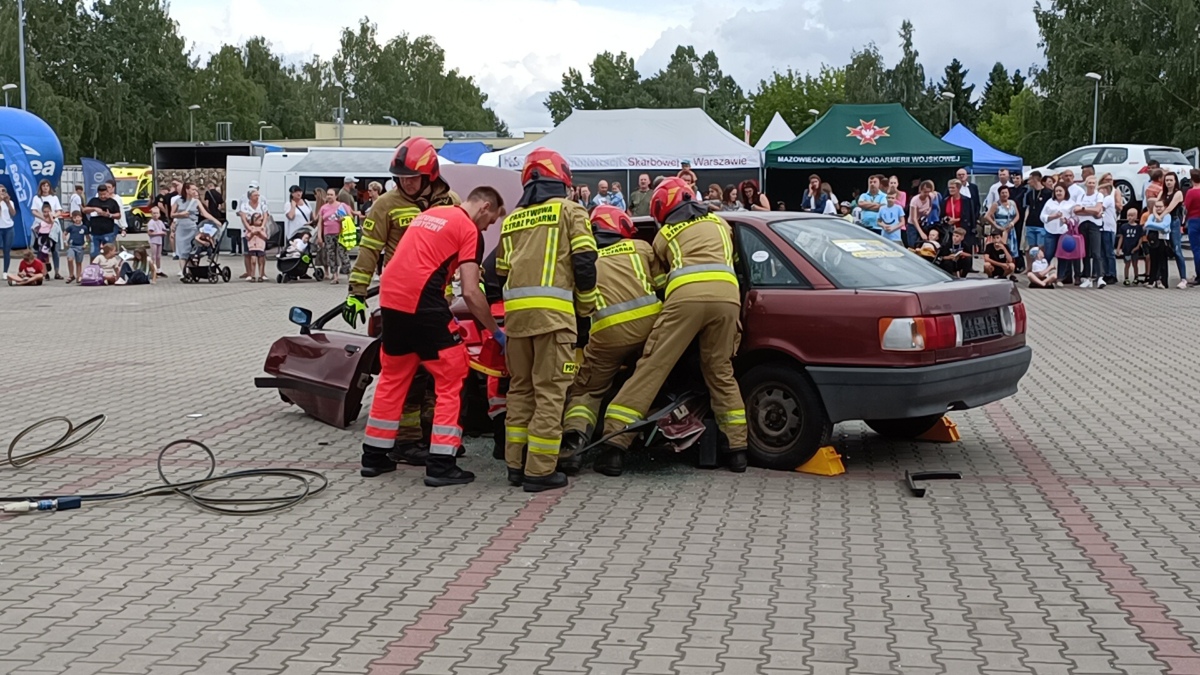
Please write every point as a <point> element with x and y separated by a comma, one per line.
<point>545,164</point>
<point>607,218</point>
<point>668,196</point>
<point>416,157</point>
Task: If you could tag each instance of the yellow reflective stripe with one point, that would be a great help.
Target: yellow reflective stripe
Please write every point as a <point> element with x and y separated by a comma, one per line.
<point>516,434</point>
<point>505,254</point>
<point>411,419</point>
<point>357,277</point>
<point>373,244</point>
<point>582,411</point>
<point>727,244</point>
<point>587,296</point>
<point>694,277</point>
<point>544,446</point>
<point>623,414</point>
<point>550,260</point>
<point>626,316</point>
<point>584,242</point>
<point>639,268</point>
<point>676,253</point>
<point>542,302</point>
<point>733,417</point>
<point>660,280</point>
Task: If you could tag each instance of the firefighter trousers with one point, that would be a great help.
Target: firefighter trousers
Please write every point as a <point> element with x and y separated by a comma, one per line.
<point>540,369</point>
<point>716,324</point>
<point>600,366</point>
<point>396,376</point>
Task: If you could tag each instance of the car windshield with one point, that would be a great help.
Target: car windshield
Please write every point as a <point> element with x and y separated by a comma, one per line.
<point>853,257</point>
<point>1166,156</point>
<point>127,187</point>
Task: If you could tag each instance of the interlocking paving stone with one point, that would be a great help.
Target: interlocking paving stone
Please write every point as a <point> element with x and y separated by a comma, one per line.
<point>1071,545</point>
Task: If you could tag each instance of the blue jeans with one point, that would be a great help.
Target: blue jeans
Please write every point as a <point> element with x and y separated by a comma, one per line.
<point>99,240</point>
<point>1177,244</point>
<point>6,243</point>
<point>1050,245</point>
<point>1194,240</point>
<point>1036,237</point>
<point>1108,240</point>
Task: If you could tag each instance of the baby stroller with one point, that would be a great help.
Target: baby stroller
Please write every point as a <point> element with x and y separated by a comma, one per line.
<point>204,260</point>
<point>296,258</point>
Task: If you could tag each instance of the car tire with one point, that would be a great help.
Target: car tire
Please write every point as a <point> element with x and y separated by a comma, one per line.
<point>785,417</point>
<point>909,428</point>
<point>1126,190</point>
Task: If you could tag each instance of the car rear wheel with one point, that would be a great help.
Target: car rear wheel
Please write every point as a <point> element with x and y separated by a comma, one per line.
<point>905,428</point>
<point>1126,190</point>
<point>784,415</point>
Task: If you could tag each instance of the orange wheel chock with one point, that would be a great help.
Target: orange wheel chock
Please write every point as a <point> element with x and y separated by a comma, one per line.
<point>945,431</point>
<point>827,462</point>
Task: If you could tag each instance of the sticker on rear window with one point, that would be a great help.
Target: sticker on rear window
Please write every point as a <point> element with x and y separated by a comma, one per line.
<point>866,248</point>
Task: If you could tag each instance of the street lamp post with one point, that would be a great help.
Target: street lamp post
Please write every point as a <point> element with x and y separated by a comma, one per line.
<point>815,113</point>
<point>949,98</point>
<point>192,122</point>
<point>7,88</point>
<point>263,125</point>
<point>21,48</point>
<point>1095,77</point>
<point>704,97</point>
<point>341,120</point>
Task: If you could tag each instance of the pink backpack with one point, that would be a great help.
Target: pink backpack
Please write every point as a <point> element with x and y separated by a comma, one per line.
<point>92,275</point>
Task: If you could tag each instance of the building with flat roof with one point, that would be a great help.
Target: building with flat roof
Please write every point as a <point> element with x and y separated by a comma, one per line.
<point>389,136</point>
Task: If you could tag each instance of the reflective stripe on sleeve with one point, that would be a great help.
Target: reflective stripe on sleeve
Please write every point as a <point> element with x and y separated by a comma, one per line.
<point>371,244</point>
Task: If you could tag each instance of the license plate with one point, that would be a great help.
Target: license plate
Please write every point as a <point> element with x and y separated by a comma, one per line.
<point>981,325</point>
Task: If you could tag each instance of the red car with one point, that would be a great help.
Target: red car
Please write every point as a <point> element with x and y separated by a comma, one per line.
<point>839,324</point>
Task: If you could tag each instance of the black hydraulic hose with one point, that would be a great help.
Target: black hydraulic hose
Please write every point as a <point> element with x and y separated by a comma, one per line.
<point>310,483</point>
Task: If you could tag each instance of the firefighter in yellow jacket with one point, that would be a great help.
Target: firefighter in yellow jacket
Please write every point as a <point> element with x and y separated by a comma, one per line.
<point>548,259</point>
<point>627,276</point>
<point>419,186</point>
<point>702,300</point>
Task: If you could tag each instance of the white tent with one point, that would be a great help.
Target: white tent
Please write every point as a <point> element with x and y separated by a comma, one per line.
<point>493,158</point>
<point>777,130</point>
<point>637,138</point>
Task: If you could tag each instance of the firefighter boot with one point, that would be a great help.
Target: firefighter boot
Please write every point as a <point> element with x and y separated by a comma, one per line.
<point>570,459</point>
<point>375,463</point>
<point>551,481</point>
<point>516,477</point>
<point>441,470</point>
<point>609,461</point>
<point>413,453</point>
<point>736,460</point>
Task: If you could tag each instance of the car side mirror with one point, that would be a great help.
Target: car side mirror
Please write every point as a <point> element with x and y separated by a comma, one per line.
<point>301,317</point>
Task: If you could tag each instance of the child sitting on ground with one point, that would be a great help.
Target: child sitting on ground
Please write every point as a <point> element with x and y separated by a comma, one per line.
<point>1040,275</point>
<point>959,261</point>
<point>31,272</point>
<point>997,260</point>
<point>1129,243</point>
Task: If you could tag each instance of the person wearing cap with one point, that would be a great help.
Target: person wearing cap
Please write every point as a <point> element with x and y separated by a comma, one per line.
<point>348,195</point>
<point>297,214</point>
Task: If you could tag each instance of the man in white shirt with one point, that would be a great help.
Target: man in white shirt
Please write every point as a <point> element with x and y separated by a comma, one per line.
<point>993,194</point>
<point>1074,190</point>
<point>1108,234</point>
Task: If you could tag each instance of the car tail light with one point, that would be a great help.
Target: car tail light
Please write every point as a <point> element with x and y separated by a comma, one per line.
<point>1144,169</point>
<point>1013,319</point>
<point>921,333</point>
<point>375,325</point>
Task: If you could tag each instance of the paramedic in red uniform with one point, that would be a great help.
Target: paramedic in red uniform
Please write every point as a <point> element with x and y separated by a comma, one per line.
<point>417,330</point>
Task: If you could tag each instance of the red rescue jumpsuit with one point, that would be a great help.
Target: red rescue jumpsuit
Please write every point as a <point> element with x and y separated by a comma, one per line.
<point>416,326</point>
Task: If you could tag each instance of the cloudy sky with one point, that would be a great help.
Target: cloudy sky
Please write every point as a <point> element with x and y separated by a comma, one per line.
<point>518,49</point>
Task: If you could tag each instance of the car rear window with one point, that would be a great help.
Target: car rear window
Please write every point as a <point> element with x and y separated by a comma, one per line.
<point>1166,156</point>
<point>853,257</point>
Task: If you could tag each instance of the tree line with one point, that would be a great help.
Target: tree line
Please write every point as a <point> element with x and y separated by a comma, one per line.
<point>114,76</point>
<point>1147,55</point>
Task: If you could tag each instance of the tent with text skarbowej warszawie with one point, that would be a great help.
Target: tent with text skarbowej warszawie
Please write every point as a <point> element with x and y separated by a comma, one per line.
<point>638,139</point>
<point>850,142</point>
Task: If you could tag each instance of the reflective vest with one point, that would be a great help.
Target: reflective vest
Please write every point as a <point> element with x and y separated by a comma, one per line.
<point>627,274</point>
<point>699,254</point>
<point>349,236</point>
<point>536,244</point>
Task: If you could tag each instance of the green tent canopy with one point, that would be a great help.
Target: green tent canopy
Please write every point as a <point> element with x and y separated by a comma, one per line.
<point>880,136</point>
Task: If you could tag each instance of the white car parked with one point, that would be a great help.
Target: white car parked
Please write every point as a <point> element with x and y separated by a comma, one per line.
<point>1127,163</point>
